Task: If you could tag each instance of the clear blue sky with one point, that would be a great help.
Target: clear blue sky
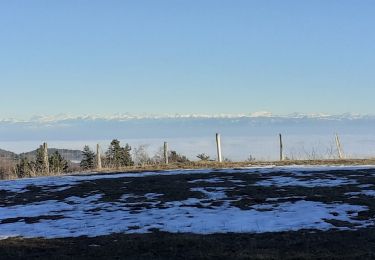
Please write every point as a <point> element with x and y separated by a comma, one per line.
<point>186,56</point>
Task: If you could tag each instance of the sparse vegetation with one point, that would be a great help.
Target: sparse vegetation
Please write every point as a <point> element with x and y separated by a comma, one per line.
<point>226,159</point>
<point>251,159</point>
<point>175,157</point>
<point>203,157</point>
<point>7,168</point>
<point>141,157</point>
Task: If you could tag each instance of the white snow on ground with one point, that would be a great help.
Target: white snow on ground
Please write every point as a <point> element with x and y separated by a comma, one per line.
<point>366,185</point>
<point>216,180</point>
<point>211,180</point>
<point>281,181</point>
<point>214,193</point>
<point>90,216</point>
<point>285,198</point>
<point>63,182</point>
<point>370,193</point>
<point>151,196</point>
<point>298,169</point>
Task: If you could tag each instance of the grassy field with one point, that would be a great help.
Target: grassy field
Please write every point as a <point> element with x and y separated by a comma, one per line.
<point>267,213</point>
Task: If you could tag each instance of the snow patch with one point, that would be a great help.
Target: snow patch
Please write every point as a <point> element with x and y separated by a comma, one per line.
<point>88,217</point>
<point>370,193</point>
<point>66,181</point>
<point>281,181</point>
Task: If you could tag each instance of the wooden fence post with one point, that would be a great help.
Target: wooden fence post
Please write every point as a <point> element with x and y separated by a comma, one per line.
<point>218,146</point>
<point>281,148</point>
<point>166,161</point>
<point>98,158</point>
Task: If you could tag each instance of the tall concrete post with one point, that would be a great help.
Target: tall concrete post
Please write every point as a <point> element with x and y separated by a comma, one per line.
<point>218,147</point>
<point>45,158</point>
<point>339,148</point>
<point>98,158</point>
<point>166,161</point>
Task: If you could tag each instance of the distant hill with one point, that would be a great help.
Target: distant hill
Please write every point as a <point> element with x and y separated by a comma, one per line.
<point>7,154</point>
<point>70,155</point>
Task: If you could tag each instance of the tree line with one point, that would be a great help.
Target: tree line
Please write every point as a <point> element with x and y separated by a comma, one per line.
<point>30,168</point>
<point>118,156</point>
<point>115,157</point>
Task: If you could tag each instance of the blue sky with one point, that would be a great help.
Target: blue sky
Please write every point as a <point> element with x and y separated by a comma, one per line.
<point>186,56</point>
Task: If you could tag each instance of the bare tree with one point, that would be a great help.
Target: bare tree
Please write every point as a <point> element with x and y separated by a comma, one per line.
<point>158,157</point>
<point>141,156</point>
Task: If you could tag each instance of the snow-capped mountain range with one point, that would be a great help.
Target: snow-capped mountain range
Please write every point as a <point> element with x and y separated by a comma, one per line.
<point>128,116</point>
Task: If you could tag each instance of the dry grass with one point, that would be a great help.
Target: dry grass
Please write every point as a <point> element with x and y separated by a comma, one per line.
<point>217,165</point>
<point>7,167</point>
